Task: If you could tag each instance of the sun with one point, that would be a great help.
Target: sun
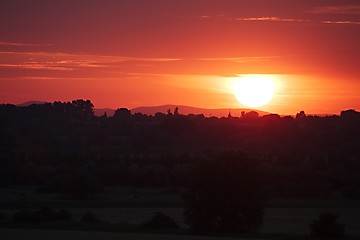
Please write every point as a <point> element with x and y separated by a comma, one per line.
<point>254,90</point>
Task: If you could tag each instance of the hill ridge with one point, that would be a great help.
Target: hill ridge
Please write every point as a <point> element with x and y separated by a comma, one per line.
<point>184,109</point>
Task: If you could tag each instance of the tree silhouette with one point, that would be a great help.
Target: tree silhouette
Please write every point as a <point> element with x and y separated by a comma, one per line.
<point>176,111</point>
<point>350,114</point>
<point>225,195</point>
<point>83,108</point>
<point>89,217</point>
<point>300,115</point>
<point>327,226</point>
<point>251,115</point>
<point>160,221</point>
<point>122,114</point>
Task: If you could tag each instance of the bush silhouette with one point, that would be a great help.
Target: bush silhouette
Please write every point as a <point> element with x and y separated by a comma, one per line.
<point>161,221</point>
<point>89,217</point>
<point>225,195</point>
<point>327,226</point>
<point>44,215</point>
<point>63,215</point>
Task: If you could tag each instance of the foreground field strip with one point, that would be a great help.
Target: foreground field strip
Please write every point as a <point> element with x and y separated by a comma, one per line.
<point>22,234</point>
<point>161,204</point>
<point>88,204</point>
<point>281,221</point>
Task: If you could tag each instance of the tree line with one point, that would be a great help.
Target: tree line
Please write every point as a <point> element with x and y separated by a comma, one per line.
<point>228,165</point>
<point>39,142</point>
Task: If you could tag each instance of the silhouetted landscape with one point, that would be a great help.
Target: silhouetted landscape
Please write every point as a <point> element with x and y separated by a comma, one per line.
<point>179,119</point>
<point>152,110</point>
<point>62,167</point>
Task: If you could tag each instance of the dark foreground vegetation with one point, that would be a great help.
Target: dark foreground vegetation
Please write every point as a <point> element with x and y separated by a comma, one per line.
<point>47,218</point>
<point>224,168</point>
<point>325,227</point>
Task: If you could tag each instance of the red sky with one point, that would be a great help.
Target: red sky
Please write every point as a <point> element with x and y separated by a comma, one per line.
<point>129,53</point>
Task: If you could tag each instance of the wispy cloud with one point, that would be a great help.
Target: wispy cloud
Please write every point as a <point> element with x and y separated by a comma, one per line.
<point>72,61</point>
<point>15,44</point>
<point>271,19</point>
<point>239,59</point>
<point>36,66</point>
<point>344,9</point>
<point>68,61</point>
<point>254,19</point>
<point>341,22</point>
<point>90,57</point>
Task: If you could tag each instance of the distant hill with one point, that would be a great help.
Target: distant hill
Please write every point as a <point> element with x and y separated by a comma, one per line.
<point>185,110</point>
<point>25,104</point>
<point>152,110</point>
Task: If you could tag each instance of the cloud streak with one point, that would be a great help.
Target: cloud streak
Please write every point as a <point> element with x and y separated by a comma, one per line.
<point>270,19</point>
<point>345,9</point>
<point>36,66</point>
<point>71,61</point>
<point>341,22</point>
<point>15,44</point>
<point>239,59</point>
<point>254,19</point>
<point>295,20</point>
<point>68,61</point>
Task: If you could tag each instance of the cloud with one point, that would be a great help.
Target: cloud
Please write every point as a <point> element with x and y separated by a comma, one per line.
<point>14,44</point>
<point>341,22</point>
<point>71,61</point>
<point>254,19</point>
<point>298,20</point>
<point>68,61</point>
<point>345,9</point>
<point>239,59</point>
<point>35,66</point>
<point>271,19</point>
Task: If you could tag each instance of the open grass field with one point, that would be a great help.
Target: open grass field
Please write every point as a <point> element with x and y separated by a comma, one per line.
<point>277,221</point>
<point>134,206</point>
<point>25,234</point>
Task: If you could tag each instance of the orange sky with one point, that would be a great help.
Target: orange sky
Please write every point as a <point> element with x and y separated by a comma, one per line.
<point>129,53</point>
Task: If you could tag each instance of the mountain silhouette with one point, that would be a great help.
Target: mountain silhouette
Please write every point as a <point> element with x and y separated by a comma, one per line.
<point>185,110</point>
<point>152,110</point>
<point>28,103</point>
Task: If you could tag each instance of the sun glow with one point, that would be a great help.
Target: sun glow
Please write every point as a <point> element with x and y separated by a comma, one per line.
<point>254,90</point>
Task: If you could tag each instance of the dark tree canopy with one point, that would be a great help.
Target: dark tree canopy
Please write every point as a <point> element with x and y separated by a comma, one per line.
<point>122,114</point>
<point>304,157</point>
<point>160,221</point>
<point>225,195</point>
<point>327,227</point>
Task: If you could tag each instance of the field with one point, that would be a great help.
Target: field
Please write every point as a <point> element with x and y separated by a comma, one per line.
<point>124,205</point>
<point>14,234</point>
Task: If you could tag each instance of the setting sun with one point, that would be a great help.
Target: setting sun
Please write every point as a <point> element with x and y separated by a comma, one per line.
<point>231,117</point>
<point>254,90</point>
